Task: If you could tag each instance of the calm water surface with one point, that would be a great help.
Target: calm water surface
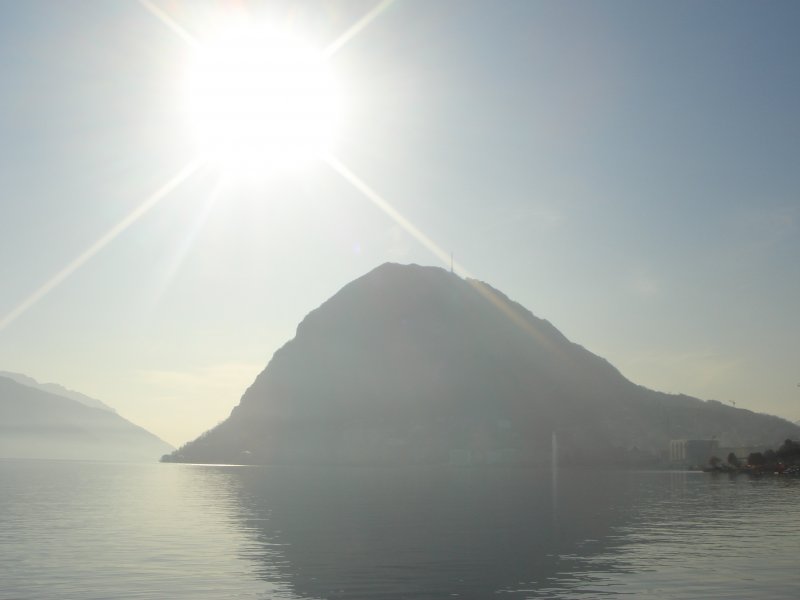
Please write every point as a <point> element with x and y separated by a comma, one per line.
<point>71,530</point>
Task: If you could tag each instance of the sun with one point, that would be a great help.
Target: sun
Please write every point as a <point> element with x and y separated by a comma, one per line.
<point>261,100</point>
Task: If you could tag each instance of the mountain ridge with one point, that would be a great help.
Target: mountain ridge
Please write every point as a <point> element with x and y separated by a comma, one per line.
<point>36,423</point>
<point>415,364</point>
<point>58,390</point>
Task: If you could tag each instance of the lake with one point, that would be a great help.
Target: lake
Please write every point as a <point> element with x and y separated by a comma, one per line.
<point>76,530</point>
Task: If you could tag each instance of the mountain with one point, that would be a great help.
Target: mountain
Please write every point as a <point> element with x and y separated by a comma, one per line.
<point>58,390</point>
<point>35,423</point>
<point>415,364</point>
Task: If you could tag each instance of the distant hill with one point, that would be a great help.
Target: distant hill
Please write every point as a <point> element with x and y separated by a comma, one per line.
<point>58,390</point>
<point>39,424</point>
<point>415,364</point>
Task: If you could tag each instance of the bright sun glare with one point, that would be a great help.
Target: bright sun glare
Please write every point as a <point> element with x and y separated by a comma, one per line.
<point>260,100</point>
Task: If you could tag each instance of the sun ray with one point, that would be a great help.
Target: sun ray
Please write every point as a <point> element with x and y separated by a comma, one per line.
<point>356,28</point>
<point>199,221</point>
<point>519,319</point>
<point>169,22</point>
<point>101,243</point>
<point>392,212</point>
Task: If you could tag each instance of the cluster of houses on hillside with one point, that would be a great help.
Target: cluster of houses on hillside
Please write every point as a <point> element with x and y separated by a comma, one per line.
<point>699,453</point>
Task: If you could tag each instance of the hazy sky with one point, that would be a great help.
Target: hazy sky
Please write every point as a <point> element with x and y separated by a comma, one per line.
<point>629,171</point>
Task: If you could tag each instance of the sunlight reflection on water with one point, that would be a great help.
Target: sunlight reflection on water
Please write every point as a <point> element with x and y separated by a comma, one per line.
<point>102,530</point>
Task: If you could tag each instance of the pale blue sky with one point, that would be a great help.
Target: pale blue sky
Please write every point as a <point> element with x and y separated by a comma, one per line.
<point>627,170</point>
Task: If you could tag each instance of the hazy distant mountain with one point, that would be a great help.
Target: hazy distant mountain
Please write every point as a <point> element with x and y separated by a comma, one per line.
<point>38,424</point>
<point>415,364</point>
<point>58,390</point>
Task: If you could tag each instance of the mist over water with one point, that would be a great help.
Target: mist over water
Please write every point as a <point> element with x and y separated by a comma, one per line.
<point>100,530</point>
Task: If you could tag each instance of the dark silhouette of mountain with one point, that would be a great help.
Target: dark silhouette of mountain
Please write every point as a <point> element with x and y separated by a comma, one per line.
<point>38,424</point>
<point>411,364</point>
<point>58,390</point>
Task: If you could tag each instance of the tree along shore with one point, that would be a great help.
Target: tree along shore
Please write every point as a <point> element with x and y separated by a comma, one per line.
<point>783,461</point>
